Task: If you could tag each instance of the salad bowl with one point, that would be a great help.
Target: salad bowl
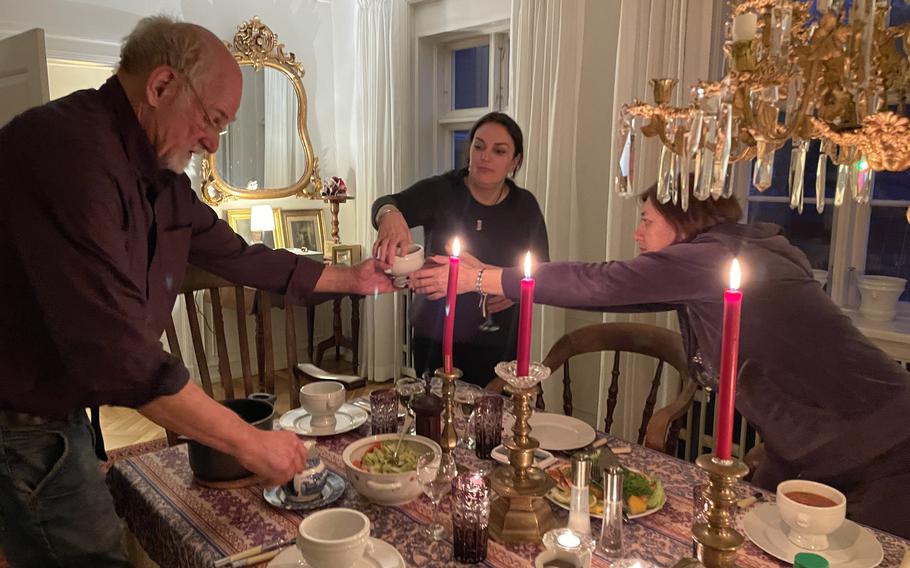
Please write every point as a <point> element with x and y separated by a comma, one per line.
<point>372,471</point>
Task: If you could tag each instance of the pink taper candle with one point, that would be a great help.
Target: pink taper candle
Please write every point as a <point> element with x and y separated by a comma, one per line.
<point>729,355</point>
<point>448,331</point>
<point>525,320</point>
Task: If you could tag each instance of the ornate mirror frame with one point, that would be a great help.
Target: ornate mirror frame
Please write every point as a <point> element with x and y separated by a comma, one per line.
<point>256,45</point>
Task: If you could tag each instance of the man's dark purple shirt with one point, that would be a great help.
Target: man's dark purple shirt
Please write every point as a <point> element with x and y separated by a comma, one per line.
<point>94,246</point>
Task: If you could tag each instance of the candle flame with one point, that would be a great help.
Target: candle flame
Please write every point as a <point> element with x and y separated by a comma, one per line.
<point>456,248</point>
<point>528,265</point>
<point>568,540</point>
<point>735,275</point>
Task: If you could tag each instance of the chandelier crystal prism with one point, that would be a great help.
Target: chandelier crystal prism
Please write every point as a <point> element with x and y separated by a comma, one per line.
<point>829,70</point>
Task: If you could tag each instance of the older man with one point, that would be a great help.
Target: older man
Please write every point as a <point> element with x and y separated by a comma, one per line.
<point>101,227</point>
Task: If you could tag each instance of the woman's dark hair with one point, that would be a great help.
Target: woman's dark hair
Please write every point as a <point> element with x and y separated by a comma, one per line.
<point>701,215</point>
<point>511,127</point>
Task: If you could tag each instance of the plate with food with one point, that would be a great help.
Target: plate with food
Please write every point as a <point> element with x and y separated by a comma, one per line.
<point>642,494</point>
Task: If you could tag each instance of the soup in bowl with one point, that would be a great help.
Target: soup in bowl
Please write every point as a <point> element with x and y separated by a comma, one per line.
<point>811,510</point>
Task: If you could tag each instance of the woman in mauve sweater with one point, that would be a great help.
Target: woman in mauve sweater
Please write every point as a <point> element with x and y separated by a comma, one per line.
<point>829,405</point>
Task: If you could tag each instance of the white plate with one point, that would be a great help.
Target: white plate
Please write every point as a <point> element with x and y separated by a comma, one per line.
<point>347,418</point>
<point>850,546</point>
<point>555,431</point>
<point>645,513</point>
<point>542,458</point>
<point>383,555</point>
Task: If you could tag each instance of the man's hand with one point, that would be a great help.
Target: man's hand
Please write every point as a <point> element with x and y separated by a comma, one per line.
<point>371,278</point>
<point>365,278</point>
<point>394,237</point>
<point>273,456</point>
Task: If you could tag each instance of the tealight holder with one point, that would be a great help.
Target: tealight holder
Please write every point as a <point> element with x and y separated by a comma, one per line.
<point>566,540</point>
<point>520,513</point>
<point>716,541</point>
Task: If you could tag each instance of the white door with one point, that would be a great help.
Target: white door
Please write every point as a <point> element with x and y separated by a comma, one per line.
<point>23,73</point>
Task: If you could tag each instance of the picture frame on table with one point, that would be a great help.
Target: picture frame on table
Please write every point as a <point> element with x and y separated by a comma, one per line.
<point>239,221</point>
<point>304,229</point>
<point>346,255</point>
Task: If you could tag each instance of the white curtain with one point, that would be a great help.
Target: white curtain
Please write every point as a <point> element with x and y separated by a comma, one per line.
<point>551,100</point>
<point>280,127</point>
<point>382,90</point>
<point>547,41</point>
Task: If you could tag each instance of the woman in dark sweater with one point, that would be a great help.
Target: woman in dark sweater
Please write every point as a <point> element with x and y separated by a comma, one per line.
<point>829,405</point>
<point>493,218</point>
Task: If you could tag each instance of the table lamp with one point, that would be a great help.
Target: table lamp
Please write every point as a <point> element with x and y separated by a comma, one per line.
<point>261,219</point>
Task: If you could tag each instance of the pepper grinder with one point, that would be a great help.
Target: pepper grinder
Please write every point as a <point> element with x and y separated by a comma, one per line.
<point>611,529</point>
<point>579,509</point>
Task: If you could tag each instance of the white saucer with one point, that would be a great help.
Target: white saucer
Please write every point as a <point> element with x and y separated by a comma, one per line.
<point>850,546</point>
<point>555,431</point>
<point>347,418</point>
<point>383,555</point>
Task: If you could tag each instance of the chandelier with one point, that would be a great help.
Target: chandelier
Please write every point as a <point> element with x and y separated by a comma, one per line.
<point>827,70</point>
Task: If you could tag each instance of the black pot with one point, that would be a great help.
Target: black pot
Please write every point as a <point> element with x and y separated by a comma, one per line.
<point>209,464</point>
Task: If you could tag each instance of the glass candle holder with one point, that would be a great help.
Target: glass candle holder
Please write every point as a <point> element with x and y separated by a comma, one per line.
<point>566,540</point>
<point>470,516</point>
<point>487,425</point>
<point>384,411</point>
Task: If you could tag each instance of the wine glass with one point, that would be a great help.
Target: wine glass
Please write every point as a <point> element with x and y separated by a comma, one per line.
<point>488,324</point>
<point>435,474</point>
<point>407,387</point>
<point>465,398</point>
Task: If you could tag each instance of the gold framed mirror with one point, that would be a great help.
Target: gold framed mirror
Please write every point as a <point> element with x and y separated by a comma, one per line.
<point>266,152</point>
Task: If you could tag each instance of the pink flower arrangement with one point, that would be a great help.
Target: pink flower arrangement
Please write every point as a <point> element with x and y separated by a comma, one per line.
<point>334,187</point>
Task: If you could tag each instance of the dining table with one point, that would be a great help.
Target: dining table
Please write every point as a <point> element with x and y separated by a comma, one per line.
<point>180,523</point>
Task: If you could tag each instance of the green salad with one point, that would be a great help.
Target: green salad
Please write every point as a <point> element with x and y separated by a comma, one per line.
<point>379,458</point>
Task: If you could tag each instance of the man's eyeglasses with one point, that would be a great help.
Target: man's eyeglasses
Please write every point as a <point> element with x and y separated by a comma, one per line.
<point>218,128</point>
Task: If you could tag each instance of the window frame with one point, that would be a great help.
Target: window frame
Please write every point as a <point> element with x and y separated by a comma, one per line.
<point>446,119</point>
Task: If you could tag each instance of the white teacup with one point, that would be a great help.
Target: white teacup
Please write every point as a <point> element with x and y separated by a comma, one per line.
<point>404,265</point>
<point>321,400</point>
<point>333,538</point>
<point>810,524</point>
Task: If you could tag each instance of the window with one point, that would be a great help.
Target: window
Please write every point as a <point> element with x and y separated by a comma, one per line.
<point>473,80</point>
<point>849,240</point>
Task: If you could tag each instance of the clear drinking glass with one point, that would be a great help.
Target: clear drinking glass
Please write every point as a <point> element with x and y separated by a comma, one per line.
<point>487,425</point>
<point>435,474</point>
<point>407,387</point>
<point>384,411</point>
<point>465,399</point>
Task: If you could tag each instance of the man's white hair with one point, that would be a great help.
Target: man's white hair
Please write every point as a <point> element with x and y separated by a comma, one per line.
<point>162,40</point>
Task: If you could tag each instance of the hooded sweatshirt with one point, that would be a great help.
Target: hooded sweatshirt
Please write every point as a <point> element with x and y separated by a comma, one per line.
<point>826,401</point>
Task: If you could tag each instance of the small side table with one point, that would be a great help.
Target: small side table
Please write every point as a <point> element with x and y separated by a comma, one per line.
<point>338,339</point>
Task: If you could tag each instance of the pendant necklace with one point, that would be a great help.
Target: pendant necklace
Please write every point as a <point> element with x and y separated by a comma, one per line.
<point>478,223</point>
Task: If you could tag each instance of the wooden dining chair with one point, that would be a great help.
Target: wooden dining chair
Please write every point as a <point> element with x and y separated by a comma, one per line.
<point>197,279</point>
<point>658,429</point>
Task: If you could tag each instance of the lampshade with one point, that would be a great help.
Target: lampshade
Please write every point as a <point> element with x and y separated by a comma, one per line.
<point>261,218</point>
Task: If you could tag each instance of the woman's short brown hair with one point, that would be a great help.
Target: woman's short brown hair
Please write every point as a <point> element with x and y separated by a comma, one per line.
<point>701,215</point>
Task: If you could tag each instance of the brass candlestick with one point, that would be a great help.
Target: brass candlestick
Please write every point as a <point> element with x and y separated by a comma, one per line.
<point>448,439</point>
<point>717,542</point>
<point>520,513</point>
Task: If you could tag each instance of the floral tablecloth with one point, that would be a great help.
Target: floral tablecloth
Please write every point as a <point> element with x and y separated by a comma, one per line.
<point>180,523</point>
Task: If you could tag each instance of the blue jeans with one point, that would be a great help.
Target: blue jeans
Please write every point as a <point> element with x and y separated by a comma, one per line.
<point>55,508</point>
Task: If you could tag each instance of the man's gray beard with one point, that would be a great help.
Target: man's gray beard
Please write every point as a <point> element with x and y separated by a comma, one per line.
<point>178,165</point>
